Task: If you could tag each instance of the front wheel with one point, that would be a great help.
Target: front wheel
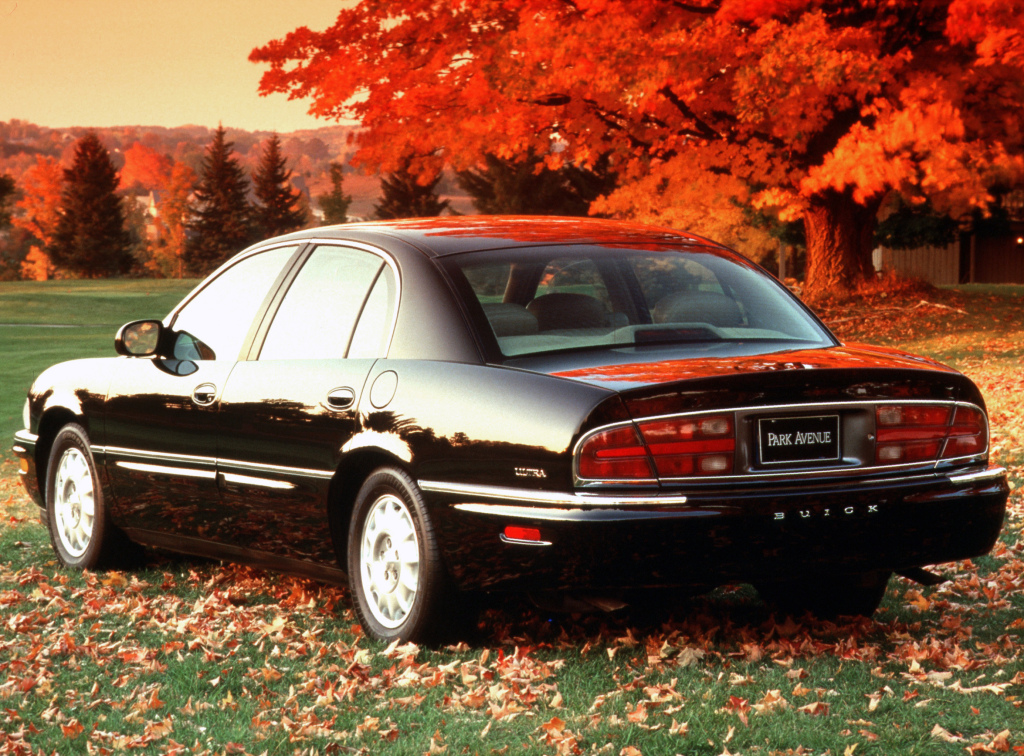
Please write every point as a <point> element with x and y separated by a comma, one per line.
<point>80,530</point>
<point>394,564</point>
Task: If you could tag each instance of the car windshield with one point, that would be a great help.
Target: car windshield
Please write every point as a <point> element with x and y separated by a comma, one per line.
<point>585,297</point>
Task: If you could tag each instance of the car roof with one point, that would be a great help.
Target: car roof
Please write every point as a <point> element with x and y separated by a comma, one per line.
<point>437,237</point>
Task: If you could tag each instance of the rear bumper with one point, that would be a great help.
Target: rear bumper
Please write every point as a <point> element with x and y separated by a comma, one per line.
<point>704,539</point>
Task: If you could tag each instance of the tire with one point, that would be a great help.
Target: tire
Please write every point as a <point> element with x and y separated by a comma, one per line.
<point>80,529</point>
<point>399,587</point>
<point>829,596</point>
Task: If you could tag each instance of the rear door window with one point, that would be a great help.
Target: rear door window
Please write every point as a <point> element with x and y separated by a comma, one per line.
<point>317,317</point>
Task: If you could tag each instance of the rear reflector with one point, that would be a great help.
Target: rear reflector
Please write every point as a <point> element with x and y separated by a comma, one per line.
<point>519,533</point>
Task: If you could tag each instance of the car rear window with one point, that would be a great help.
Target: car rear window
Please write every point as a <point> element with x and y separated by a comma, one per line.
<point>550,299</point>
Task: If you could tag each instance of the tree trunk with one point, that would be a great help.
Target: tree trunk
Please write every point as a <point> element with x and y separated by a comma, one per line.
<point>839,241</point>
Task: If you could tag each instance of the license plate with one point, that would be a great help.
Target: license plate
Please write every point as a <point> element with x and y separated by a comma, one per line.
<point>784,440</point>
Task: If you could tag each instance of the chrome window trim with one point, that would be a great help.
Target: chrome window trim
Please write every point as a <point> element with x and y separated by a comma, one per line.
<point>230,262</point>
<point>550,498</point>
<point>793,473</point>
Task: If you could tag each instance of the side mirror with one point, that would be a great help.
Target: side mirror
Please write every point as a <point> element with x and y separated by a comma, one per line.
<point>140,338</point>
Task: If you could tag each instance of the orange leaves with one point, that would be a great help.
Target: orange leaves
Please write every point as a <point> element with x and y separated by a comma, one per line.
<point>145,168</point>
<point>558,735</point>
<point>994,26</point>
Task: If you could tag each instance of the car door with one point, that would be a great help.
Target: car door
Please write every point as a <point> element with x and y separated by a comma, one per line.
<point>160,426</point>
<point>288,411</point>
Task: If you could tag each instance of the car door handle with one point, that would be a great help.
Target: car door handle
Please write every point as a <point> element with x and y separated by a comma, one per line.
<point>204,394</point>
<point>340,398</point>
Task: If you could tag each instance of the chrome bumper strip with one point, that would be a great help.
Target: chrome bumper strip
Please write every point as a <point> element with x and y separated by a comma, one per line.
<point>561,514</point>
<point>248,480</point>
<point>551,498</point>
<point>992,472</point>
<point>181,472</point>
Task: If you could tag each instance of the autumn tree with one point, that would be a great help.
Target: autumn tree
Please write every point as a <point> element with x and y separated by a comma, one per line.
<point>277,209</point>
<point>221,220</point>
<point>405,194</point>
<point>145,169</point>
<point>90,239</point>
<point>38,214</point>
<point>7,189</point>
<point>172,221</point>
<point>335,203</point>
<point>529,187</point>
<point>808,110</point>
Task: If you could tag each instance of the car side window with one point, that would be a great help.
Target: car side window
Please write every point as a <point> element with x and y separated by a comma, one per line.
<point>374,328</point>
<point>319,312</point>
<point>214,323</point>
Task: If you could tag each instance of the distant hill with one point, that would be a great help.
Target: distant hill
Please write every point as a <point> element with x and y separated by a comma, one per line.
<point>309,152</point>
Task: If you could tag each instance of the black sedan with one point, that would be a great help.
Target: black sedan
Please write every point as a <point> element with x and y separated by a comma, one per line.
<point>573,408</point>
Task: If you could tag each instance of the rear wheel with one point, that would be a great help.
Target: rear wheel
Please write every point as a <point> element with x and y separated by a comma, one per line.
<point>80,529</point>
<point>394,564</point>
<point>828,596</point>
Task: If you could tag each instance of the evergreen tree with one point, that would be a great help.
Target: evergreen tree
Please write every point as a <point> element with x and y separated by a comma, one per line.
<point>403,196</point>
<point>520,188</point>
<point>90,239</point>
<point>221,219</point>
<point>277,209</point>
<point>335,205</point>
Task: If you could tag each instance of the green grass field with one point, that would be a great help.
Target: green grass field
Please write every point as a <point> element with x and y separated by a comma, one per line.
<point>184,656</point>
<point>43,323</point>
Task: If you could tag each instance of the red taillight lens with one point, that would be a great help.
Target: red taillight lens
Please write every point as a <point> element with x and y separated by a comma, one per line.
<point>615,454</point>
<point>910,432</point>
<point>691,446</point>
<point>969,434</point>
<point>676,448</point>
<point>916,433</point>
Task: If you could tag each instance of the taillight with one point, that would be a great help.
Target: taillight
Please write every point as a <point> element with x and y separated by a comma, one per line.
<point>969,434</point>
<point>923,432</point>
<point>615,454</point>
<point>684,447</point>
<point>679,447</point>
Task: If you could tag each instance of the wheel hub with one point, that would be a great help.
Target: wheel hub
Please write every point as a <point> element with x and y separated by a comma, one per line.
<point>389,560</point>
<point>74,502</point>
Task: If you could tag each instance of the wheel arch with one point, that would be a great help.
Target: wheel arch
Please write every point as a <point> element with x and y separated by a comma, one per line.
<point>53,419</point>
<point>353,471</point>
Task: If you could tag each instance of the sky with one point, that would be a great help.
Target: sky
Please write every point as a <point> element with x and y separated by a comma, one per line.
<point>100,63</point>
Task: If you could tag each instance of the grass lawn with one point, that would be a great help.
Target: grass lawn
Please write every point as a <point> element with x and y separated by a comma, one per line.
<point>46,322</point>
<point>185,656</point>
